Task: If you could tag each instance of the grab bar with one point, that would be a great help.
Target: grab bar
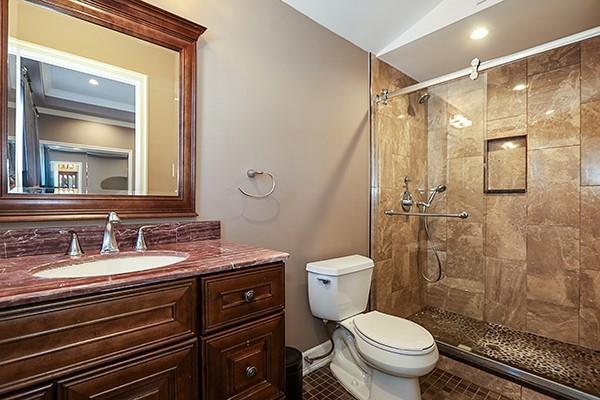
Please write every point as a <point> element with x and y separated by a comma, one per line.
<point>461,215</point>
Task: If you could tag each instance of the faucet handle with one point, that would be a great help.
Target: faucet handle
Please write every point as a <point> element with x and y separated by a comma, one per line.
<point>74,249</point>
<point>140,243</point>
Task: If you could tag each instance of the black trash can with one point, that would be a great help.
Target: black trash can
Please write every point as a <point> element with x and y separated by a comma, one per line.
<point>293,374</point>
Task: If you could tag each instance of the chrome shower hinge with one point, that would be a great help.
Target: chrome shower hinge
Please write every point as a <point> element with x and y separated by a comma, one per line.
<point>382,97</point>
<point>475,63</point>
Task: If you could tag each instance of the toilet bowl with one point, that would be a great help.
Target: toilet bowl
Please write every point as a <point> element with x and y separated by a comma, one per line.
<point>376,356</point>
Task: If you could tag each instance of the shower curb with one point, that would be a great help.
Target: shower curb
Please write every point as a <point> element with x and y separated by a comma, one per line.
<point>513,374</point>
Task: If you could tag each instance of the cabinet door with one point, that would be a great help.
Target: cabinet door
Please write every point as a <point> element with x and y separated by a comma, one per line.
<point>39,393</point>
<point>58,338</point>
<point>168,374</point>
<point>245,363</point>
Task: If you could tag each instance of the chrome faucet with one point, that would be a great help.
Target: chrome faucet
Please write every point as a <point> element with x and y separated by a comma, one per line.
<point>109,241</point>
<point>74,249</point>
<point>140,243</point>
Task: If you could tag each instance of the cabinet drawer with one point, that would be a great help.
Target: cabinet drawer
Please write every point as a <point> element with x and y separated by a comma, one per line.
<point>246,363</point>
<point>41,342</point>
<point>233,298</point>
<point>168,374</point>
<point>40,393</point>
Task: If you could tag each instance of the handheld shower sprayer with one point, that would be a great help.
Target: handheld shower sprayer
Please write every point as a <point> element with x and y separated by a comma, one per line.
<point>434,191</point>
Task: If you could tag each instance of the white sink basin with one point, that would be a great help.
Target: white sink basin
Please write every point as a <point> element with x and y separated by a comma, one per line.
<point>110,266</point>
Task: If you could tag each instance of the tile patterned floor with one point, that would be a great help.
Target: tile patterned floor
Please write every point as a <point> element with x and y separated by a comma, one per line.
<point>571,365</point>
<point>438,385</point>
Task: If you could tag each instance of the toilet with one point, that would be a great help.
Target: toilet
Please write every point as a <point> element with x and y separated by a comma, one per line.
<point>376,356</point>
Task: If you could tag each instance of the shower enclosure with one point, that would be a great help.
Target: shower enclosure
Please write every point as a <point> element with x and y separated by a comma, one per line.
<point>515,152</point>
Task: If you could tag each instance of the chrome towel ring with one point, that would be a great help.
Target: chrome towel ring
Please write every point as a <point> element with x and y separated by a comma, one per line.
<point>252,174</point>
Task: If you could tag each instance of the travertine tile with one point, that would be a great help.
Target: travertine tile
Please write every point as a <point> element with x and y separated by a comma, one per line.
<point>590,70</point>
<point>590,143</point>
<point>506,292</point>
<point>466,98</point>
<point>553,321</point>
<point>381,289</point>
<point>404,261</point>
<point>590,227</point>
<point>384,76</point>
<point>406,301</point>
<point>589,314</point>
<point>553,265</point>
<point>465,251</point>
<point>505,127</point>
<point>465,187</point>
<point>382,225</point>
<point>553,59</point>
<point>553,186</point>
<point>553,108</point>
<point>506,226</point>
<point>502,99</point>
<point>465,296</point>
<point>552,249</point>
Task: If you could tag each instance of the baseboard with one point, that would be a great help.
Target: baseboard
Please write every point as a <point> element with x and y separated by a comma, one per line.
<point>315,352</point>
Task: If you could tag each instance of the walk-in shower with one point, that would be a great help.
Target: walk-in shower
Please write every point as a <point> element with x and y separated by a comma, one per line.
<point>468,236</point>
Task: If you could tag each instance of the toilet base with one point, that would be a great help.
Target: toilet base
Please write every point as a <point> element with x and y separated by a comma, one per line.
<point>363,381</point>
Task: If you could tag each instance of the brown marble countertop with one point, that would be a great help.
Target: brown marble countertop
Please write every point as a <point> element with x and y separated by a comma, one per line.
<point>19,286</point>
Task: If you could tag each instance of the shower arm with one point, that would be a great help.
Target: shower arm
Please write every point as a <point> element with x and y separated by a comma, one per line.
<point>461,215</point>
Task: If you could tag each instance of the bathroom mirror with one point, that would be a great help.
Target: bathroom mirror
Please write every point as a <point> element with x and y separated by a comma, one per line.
<point>98,109</point>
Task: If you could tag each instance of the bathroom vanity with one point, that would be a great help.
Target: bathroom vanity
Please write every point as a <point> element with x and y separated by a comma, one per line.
<point>209,327</point>
<point>90,129</point>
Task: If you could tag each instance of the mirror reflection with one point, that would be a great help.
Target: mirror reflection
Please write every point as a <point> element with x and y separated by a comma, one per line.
<point>85,118</point>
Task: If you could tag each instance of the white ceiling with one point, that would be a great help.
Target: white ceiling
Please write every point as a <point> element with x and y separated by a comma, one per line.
<point>430,38</point>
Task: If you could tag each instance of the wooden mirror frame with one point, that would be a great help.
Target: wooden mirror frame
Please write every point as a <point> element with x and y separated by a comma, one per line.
<point>146,22</point>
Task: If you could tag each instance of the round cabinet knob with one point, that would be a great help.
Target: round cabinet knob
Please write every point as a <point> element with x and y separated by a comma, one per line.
<point>249,296</point>
<point>251,372</point>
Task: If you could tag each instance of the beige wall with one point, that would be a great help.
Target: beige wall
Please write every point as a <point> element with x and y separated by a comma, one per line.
<point>69,130</point>
<point>38,25</point>
<point>278,92</point>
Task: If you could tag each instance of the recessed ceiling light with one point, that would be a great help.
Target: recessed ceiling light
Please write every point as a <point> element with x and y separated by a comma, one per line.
<point>479,33</point>
<point>520,86</point>
<point>93,82</point>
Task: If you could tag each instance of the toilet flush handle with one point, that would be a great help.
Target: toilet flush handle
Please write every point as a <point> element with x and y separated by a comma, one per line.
<point>324,281</point>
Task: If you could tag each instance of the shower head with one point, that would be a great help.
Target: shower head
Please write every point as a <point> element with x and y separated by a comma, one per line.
<point>439,189</point>
<point>424,97</point>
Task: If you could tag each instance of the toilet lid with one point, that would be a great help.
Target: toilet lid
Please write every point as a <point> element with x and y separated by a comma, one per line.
<point>393,332</point>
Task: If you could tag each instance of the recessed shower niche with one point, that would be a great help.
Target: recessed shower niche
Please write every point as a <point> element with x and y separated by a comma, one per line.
<point>505,165</point>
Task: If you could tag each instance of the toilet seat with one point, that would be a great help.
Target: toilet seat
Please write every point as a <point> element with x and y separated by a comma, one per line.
<point>393,334</point>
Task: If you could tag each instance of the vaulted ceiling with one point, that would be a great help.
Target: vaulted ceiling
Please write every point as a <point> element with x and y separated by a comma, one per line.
<point>430,38</point>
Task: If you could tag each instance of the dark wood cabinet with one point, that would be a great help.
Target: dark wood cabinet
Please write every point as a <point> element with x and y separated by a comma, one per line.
<point>45,392</point>
<point>42,342</point>
<point>246,362</point>
<point>168,374</point>
<point>142,343</point>
<point>236,297</point>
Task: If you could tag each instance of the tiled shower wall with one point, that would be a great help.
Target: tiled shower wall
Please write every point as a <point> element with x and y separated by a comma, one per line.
<point>399,149</point>
<point>529,261</point>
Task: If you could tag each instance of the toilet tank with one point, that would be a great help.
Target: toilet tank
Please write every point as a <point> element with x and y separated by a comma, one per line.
<point>339,288</point>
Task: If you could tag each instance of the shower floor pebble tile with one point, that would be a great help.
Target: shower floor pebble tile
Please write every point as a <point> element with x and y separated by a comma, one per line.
<point>438,385</point>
